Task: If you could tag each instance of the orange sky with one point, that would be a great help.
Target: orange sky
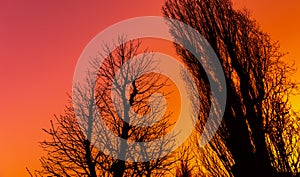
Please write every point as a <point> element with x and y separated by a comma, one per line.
<point>40,42</point>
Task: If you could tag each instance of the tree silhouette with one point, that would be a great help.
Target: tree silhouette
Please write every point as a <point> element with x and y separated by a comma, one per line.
<point>136,74</point>
<point>257,130</point>
<point>124,99</point>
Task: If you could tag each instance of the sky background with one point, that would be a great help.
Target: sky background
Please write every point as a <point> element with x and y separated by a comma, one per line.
<point>40,42</point>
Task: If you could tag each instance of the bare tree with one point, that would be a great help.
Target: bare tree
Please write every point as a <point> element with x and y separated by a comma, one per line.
<point>253,139</point>
<point>123,99</point>
<point>69,152</point>
<point>134,119</point>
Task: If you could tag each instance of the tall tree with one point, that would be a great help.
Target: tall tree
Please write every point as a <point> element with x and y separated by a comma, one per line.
<point>257,82</point>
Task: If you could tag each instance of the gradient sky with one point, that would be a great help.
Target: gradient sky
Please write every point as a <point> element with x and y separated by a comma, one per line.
<point>40,42</point>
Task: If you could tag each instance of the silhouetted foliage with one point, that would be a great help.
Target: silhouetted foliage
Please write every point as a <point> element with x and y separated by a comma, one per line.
<point>258,128</point>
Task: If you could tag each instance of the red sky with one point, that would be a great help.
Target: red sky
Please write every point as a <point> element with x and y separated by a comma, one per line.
<point>40,42</point>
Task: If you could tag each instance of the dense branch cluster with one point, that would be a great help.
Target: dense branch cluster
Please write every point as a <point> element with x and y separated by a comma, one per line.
<point>258,136</point>
<point>259,127</point>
